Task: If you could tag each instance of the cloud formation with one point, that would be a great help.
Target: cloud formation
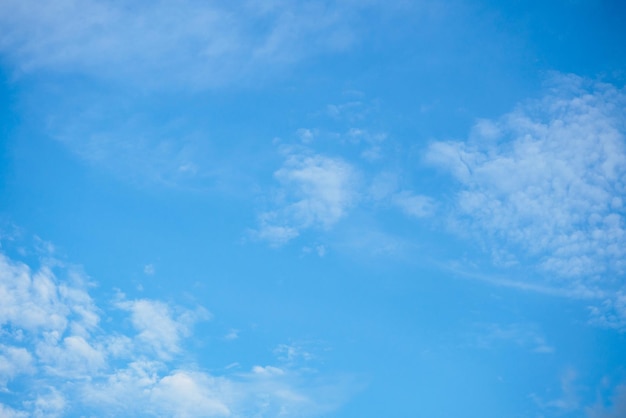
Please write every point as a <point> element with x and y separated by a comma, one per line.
<point>57,359</point>
<point>188,42</point>
<point>547,181</point>
<point>316,192</point>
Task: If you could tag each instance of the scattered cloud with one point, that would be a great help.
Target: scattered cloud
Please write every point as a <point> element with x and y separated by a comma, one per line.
<point>522,335</point>
<point>232,334</point>
<point>294,352</point>
<point>316,192</point>
<point>201,44</point>
<point>611,313</point>
<point>13,362</point>
<point>64,361</point>
<point>131,145</point>
<point>158,329</point>
<point>418,206</point>
<point>569,399</point>
<point>546,183</point>
<point>149,269</point>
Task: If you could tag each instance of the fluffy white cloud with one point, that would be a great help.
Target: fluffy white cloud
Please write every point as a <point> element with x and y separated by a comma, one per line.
<point>52,346</point>
<point>8,412</point>
<point>142,389</point>
<point>13,362</point>
<point>317,191</point>
<point>157,328</point>
<point>547,181</point>
<point>323,188</point>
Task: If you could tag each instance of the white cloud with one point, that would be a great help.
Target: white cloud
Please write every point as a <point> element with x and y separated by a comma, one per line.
<point>138,389</point>
<point>8,412</point>
<point>74,357</point>
<point>13,362</point>
<point>232,334</point>
<point>191,394</point>
<point>417,206</point>
<point>275,235</point>
<point>611,312</point>
<point>48,405</point>
<point>545,182</point>
<point>522,335</point>
<point>130,145</point>
<point>323,188</point>
<point>293,353</point>
<point>273,391</point>
<point>317,191</point>
<point>569,399</point>
<point>64,361</point>
<point>184,42</point>
<point>149,269</point>
<point>157,327</point>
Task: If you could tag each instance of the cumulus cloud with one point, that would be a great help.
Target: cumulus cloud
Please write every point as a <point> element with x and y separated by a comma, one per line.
<point>158,329</point>
<point>546,182</point>
<point>54,350</point>
<point>13,362</point>
<point>139,389</point>
<point>316,192</point>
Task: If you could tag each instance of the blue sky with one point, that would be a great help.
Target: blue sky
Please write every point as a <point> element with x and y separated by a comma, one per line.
<point>313,209</point>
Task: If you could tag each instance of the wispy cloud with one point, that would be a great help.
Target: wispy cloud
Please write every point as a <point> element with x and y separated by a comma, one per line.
<point>132,145</point>
<point>615,409</point>
<point>157,327</point>
<point>522,335</point>
<point>199,44</point>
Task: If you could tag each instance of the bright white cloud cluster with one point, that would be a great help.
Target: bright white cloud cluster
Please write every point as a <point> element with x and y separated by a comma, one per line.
<point>547,181</point>
<point>549,178</point>
<point>58,360</point>
<point>317,191</point>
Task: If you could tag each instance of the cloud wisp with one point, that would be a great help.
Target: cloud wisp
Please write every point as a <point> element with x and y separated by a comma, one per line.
<point>183,43</point>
